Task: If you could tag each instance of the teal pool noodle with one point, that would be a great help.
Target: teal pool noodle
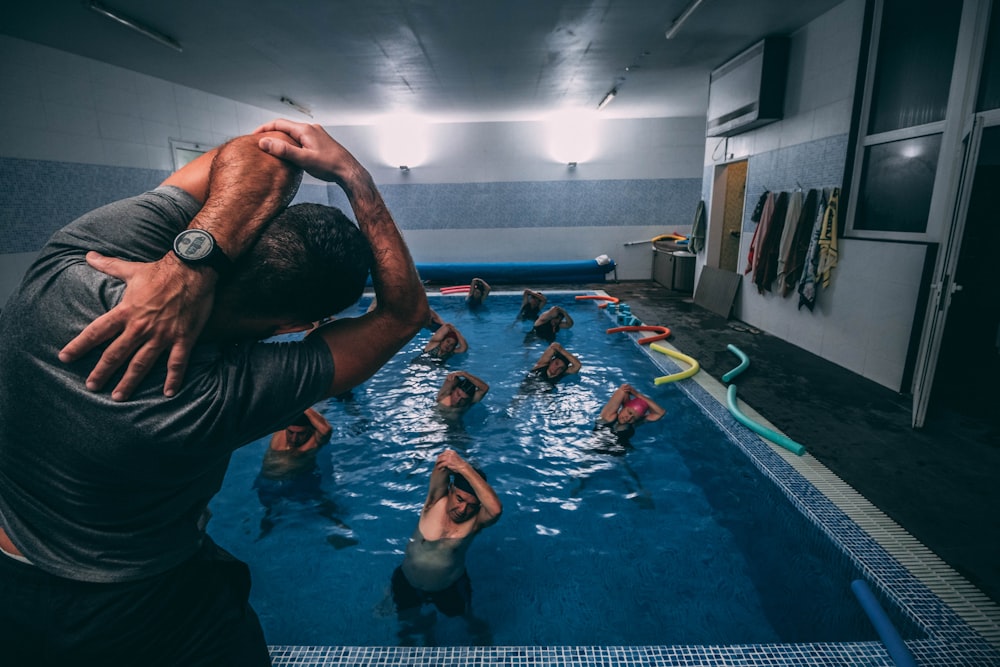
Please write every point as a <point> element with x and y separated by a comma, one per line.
<point>776,438</point>
<point>883,626</point>
<point>744,362</point>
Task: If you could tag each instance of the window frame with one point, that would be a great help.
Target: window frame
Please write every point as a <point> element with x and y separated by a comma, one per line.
<point>961,98</point>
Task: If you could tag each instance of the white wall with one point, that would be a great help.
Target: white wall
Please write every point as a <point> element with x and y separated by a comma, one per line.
<point>863,321</point>
<point>61,107</point>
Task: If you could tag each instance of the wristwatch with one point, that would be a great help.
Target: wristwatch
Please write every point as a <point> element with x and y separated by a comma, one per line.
<point>197,247</point>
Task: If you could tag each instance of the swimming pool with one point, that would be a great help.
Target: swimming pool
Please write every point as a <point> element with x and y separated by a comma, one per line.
<point>655,547</point>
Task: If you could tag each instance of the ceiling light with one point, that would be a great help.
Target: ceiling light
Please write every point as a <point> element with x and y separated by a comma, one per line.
<point>295,105</point>
<point>607,98</point>
<point>128,22</point>
<point>679,21</point>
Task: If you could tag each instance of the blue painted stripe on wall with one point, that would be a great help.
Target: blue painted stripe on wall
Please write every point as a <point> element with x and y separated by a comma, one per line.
<point>814,164</point>
<point>38,197</point>
<point>663,202</point>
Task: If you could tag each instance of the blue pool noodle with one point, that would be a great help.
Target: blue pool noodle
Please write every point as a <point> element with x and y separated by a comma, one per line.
<point>883,626</point>
<point>776,438</point>
<point>744,362</point>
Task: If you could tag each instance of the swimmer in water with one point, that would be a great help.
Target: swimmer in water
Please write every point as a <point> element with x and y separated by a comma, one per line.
<point>460,390</point>
<point>459,504</point>
<point>478,291</point>
<point>625,410</point>
<point>555,364</point>
<point>446,342</point>
<point>550,322</point>
<point>532,303</point>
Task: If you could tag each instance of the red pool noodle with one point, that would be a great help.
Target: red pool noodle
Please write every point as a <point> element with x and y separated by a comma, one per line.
<point>664,332</point>
<point>609,299</point>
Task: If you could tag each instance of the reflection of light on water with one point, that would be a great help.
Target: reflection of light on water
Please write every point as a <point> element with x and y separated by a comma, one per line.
<point>549,532</point>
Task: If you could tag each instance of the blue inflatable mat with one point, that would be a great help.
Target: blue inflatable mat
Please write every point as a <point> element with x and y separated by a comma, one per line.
<point>583,271</point>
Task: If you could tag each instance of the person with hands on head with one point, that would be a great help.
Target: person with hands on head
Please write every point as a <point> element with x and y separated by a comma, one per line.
<point>459,504</point>
<point>108,515</point>
<point>478,291</point>
<point>555,364</point>
<point>445,342</point>
<point>460,390</point>
<point>532,303</point>
<point>626,409</point>
<point>551,322</point>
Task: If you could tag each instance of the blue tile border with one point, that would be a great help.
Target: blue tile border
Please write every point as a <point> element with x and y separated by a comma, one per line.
<point>950,641</point>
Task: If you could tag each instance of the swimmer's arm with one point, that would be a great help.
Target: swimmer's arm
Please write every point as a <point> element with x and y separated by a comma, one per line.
<point>166,303</point>
<point>360,346</point>
<point>322,426</point>
<point>481,387</point>
<point>463,345</point>
<point>448,384</point>
<point>655,410</point>
<point>610,410</point>
<point>567,320</point>
<point>438,487</point>
<point>546,316</point>
<point>438,336</point>
<point>574,363</point>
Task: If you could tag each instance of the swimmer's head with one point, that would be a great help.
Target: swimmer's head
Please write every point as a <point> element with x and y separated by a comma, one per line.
<point>449,342</point>
<point>557,366</point>
<point>299,431</point>
<point>463,390</point>
<point>463,503</point>
<point>633,410</point>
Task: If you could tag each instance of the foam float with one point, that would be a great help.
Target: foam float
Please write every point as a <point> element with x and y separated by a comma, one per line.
<point>694,367</point>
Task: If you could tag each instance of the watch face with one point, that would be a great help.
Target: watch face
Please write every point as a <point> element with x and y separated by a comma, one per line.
<point>194,244</point>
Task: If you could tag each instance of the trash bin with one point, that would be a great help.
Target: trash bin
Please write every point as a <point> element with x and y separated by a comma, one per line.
<point>674,269</point>
<point>684,271</point>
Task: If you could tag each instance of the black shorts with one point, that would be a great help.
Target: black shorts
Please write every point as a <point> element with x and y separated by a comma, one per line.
<point>451,601</point>
<point>195,614</point>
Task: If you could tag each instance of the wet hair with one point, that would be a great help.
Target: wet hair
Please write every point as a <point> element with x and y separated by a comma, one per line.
<point>462,484</point>
<point>310,262</point>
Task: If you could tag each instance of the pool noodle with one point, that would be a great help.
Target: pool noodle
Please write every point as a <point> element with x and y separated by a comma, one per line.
<point>774,437</point>
<point>883,626</point>
<point>664,332</point>
<point>608,299</point>
<point>455,289</point>
<point>676,355</point>
<point>744,362</point>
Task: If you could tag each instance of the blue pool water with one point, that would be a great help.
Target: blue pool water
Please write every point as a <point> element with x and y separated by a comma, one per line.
<point>679,540</point>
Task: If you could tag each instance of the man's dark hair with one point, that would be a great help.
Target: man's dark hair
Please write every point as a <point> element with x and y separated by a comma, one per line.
<point>463,484</point>
<point>310,262</point>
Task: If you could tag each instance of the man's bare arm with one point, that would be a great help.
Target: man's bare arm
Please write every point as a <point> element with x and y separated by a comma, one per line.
<point>360,346</point>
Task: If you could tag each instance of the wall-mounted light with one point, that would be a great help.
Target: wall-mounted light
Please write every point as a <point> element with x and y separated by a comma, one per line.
<point>295,105</point>
<point>571,136</point>
<point>403,141</point>
<point>679,21</point>
<point>607,98</point>
<point>140,28</point>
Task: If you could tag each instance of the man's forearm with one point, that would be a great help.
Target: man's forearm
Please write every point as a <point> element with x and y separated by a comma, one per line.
<point>394,276</point>
<point>247,187</point>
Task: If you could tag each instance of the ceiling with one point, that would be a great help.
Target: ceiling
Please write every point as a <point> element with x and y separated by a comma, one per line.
<point>352,61</point>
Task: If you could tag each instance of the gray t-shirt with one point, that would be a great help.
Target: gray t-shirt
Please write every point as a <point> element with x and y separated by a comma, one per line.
<point>95,490</point>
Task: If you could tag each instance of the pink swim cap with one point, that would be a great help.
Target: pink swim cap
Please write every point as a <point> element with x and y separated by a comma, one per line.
<point>639,406</point>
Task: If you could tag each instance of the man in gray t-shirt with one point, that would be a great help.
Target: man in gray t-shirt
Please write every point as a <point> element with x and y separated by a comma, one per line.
<point>101,495</point>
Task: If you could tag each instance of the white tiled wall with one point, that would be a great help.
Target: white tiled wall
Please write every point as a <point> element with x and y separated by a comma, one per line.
<point>58,106</point>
